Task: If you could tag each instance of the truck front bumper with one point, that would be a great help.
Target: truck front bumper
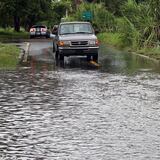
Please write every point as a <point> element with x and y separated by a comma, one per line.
<point>79,51</point>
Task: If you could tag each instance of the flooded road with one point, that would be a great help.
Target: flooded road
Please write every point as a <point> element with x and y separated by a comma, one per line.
<point>76,112</point>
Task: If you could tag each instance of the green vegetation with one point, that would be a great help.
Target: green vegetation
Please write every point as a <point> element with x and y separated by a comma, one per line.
<point>8,56</point>
<point>130,24</point>
<point>17,16</point>
<point>134,25</point>
<point>23,13</point>
<point>9,34</point>
<point>111,39</point>
<point>18,13</point>
<point>102,18</point>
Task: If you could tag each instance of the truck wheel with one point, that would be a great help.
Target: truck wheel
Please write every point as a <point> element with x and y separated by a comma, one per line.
<point>88,58</point>
<point>56,55</point>
<point>95,58</point>
<point>53,48</point>
<point>61,57</point>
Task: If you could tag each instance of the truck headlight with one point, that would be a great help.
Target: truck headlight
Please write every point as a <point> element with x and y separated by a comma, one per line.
<point>94,42</point>
<point>63,43</point>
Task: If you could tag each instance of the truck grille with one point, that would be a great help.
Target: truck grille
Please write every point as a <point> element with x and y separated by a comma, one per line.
<point>79,43</point>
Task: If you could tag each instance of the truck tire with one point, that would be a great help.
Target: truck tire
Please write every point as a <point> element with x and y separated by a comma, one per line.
<point>53,48</point>
<point>61,57</point>
<point>88,58</point>
<point>56,55</point>
<point>95,58</point>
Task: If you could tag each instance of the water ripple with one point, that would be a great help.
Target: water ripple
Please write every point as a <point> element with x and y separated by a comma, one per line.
<point>79,114</point>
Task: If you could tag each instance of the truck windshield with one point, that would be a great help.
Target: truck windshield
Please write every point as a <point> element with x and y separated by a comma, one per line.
<point>76,28</point>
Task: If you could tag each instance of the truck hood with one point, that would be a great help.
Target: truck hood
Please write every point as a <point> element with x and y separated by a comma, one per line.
<point>75,37</point>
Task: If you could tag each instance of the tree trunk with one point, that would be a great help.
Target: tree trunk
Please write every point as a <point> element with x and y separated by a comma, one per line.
<point>16,23</point>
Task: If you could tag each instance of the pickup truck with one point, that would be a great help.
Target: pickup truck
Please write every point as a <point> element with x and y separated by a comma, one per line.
<point>76,39</point>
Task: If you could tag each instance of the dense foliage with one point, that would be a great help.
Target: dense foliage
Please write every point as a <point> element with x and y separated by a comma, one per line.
<point>113,5</point>
<point>17,13</point>
<point>136,22</point>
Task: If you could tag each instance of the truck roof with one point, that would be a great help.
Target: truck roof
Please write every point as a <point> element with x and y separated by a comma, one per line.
<point>72,22</point>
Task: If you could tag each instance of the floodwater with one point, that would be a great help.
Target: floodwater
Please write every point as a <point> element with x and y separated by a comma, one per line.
<point>79,112</point>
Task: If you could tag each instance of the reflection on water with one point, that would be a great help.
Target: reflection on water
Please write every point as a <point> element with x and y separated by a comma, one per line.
<point>121,62</point>
<point>53,113</point>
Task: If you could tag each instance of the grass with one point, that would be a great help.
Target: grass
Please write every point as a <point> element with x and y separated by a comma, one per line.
<point>150,52</point>
<point>111,39</point>
<point>8,56</point>
<point>9,33</point>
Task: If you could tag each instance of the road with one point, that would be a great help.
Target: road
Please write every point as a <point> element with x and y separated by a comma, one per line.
<point>76,111</point>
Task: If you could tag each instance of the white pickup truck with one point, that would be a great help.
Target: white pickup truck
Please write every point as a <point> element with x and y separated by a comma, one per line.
<point>76,38</point>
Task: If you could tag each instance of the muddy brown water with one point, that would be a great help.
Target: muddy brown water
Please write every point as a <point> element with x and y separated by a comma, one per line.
<point>78,112</point>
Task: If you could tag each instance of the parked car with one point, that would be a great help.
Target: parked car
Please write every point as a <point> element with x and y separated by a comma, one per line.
<point>76,38</point>
<point>39,31</point>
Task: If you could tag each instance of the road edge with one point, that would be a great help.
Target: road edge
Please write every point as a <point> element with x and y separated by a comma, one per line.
<point>24,54</point>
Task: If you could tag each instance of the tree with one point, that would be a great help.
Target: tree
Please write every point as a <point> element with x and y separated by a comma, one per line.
<point>5,19</point>
<point>38,10</point>
<point>154,9</point>
<point>14,9</point>
<point>113,5</point>
<point>60,9</point>
<point>25,12</point>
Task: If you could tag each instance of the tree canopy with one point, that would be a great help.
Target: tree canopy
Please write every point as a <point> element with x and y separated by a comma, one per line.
<point>17,13</point>
<point>23,13</point>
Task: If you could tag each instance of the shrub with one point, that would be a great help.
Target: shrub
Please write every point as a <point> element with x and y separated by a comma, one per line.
<point>129,35</point>
<point>102,18</point>
<point>111,38</point>
<point>139,24</point>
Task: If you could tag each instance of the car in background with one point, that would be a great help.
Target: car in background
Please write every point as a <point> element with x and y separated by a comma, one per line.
<point>39,31</point>
<point>76,39</point>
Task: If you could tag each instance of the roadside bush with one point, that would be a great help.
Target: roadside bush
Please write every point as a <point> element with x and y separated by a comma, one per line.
<point>9,33</point>
<point>111,38</point>
<point>138,24</point>
<point>129,35</point>
<point>102,18</point>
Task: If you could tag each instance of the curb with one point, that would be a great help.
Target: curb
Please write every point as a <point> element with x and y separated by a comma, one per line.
<point>147,57</point>
<point>23,57</point>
